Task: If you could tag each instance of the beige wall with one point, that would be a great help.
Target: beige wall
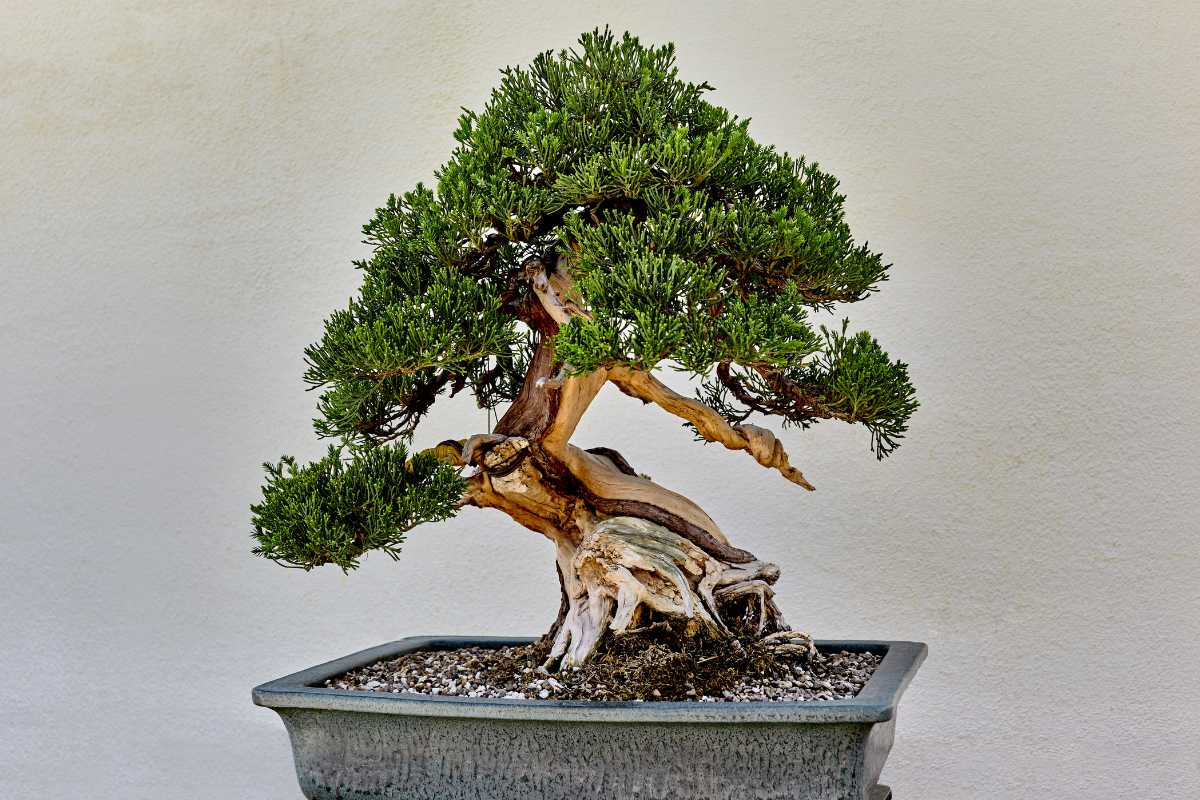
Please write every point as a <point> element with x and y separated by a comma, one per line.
<point>181,187</point>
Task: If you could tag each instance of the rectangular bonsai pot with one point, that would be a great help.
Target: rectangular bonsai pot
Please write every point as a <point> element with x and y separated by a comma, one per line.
<point>353,745</point>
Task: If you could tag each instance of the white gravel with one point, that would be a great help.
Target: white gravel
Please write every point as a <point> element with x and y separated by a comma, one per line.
<point>472,672</point>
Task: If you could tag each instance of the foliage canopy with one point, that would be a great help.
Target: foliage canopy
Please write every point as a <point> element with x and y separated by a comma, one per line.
<point>687,242</point>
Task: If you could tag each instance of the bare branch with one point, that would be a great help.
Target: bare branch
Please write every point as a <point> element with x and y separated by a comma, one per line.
<point>554,289</point>
<point>758,442</point>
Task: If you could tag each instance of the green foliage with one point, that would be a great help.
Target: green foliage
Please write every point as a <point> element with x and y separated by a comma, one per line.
<point>649,303</point>
<point>420,324</point>
<point>850,379</point>
<point>859,383</point>
<point>334,510</point>
<point>387,342</point>
<point>687,241</point>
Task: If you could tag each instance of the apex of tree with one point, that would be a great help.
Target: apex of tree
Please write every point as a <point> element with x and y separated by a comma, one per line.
<point>601,212</point>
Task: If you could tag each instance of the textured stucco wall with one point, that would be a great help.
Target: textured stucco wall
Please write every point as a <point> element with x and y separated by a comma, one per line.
<point>181,187</point>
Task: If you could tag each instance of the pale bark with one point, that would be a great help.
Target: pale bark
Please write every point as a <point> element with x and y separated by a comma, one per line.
<point>629,552</point>
<point>758,442</point>
<point>620,572</point>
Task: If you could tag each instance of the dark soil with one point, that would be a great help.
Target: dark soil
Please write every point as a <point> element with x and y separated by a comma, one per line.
<point>628,669</point>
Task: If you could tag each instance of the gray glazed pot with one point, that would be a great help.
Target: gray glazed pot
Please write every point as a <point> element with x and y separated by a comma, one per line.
<point>352,745</point>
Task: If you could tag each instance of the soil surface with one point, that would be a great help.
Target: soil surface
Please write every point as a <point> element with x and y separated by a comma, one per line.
<point>637,671</point>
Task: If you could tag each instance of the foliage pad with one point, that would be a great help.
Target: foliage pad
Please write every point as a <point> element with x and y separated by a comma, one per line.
<point>687,243</point>
<point>333,510</point>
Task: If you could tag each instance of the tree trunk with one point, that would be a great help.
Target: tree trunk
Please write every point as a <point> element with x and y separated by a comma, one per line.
<point>621,567</point>
<point>630,553</point>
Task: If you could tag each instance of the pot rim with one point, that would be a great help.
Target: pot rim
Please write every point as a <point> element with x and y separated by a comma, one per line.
<point>875,703</point>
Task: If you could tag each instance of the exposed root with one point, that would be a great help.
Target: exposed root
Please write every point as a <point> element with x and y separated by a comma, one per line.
<point>662,661</point>
<point>631,554</point>
<point>790,643</point>
<point>629,574</point>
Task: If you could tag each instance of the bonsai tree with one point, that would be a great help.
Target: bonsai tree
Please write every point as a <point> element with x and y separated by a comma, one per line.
<point>598,221</point>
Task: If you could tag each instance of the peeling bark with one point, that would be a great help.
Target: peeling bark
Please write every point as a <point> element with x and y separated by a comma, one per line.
<point>630,572</point>
<point>619,571</point>
<point>629,552</point>
<point>758,442</point>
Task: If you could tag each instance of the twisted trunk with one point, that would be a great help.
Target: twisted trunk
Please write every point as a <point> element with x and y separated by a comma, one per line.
<point>630,553</point>
<point>620,568</point>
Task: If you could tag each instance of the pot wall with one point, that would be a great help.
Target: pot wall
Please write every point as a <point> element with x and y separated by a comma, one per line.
<point>354,756</point>
<point>368,746</point>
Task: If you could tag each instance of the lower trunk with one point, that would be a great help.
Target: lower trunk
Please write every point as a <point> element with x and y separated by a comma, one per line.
<point>628,573</point>
<point>630,553</point>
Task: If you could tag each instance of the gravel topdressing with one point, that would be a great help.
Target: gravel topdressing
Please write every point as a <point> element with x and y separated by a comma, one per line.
<point>516,673</point>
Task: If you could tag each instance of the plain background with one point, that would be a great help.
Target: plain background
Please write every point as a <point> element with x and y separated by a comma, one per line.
<point>181,190</point>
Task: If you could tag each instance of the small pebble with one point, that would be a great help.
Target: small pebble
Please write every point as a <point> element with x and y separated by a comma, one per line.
<point>517,673</point>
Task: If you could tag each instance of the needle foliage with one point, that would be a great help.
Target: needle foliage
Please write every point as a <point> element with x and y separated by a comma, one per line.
<point>687,242</point>
<point>334,510</point>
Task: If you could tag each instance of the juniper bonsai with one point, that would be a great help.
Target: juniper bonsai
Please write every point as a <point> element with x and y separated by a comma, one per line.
<point>597,222</point>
